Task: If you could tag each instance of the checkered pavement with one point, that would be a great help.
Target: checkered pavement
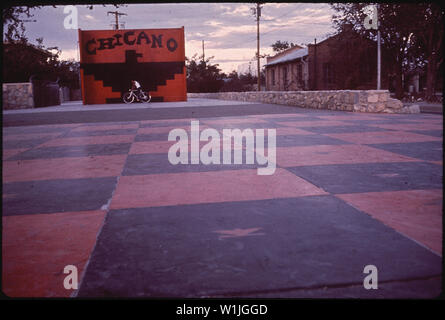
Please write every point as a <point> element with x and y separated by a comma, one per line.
<point>349,190</point>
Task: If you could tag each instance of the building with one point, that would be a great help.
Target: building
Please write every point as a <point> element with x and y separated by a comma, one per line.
<point>110,59</point>
<point>288,70</point>
<point>343,61</point>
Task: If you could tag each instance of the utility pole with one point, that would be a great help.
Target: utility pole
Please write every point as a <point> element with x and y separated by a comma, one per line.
<point>116,16</point>
<point>379,60</point>
<point>258,15</point>
<point>203,53</point>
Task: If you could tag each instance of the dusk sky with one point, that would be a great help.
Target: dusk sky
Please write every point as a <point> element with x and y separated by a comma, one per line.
<point>228,29</point>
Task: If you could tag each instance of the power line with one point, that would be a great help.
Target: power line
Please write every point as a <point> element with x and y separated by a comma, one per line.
<point>116,16</point>
<point>293,25</point>
<point>281,28</point>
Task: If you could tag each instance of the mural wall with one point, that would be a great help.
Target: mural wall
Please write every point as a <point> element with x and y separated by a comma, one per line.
<point>110,59</point>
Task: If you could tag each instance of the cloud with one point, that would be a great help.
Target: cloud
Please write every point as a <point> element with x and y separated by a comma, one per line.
<point>228,29</point>
<point>72,54</point>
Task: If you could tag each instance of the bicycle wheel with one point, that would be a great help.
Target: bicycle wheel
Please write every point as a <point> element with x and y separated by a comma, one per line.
<point>128,97</point>
<point>146,97</point>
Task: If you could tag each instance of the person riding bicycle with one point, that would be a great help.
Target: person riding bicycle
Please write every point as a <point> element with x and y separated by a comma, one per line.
<point>136,87</point>
<point>136,93</point>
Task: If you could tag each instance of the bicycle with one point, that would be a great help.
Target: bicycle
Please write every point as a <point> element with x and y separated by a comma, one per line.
<point>131,96</point>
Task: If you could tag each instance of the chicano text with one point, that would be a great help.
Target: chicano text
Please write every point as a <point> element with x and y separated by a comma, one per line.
<point>131,39</point>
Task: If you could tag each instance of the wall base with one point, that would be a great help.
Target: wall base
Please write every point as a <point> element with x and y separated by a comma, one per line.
<point>374,101</point>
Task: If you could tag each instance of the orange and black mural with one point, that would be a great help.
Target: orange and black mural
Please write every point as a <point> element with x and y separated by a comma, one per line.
<point>110,59</point>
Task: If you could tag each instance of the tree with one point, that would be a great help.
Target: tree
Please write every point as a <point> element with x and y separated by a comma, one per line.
<point>409,33</point>
<point>428,42</point>
<point>23,60</point>
<point>14,18</point>
<point>13,22</point>
<point>280,46</point>
<point>202,76</point>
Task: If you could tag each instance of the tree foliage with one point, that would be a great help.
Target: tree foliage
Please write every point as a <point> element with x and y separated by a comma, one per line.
<point>238,83</point>
<point>202,76</point>
<point>280,46</point>
<point>13,22</point>
<point>23,60</point>
<point>411,34</point>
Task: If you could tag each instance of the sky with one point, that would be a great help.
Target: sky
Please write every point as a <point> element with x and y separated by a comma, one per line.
<point>228,29</point>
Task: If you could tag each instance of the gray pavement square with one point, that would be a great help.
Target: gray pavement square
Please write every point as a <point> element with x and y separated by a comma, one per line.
<point>53,196</point>
<point>73,151</point>
<point>25,144</point>
<point>372,177</point>
<point>343,129</point>
<point>433,133</point>
<point>306,140</point>
<point>92,133</point>
<point>241,247</point>
<point>429,150</point>
<point>155,163</point>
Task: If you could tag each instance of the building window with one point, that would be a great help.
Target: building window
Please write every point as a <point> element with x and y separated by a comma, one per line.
<point>300,72</point>
<point>285,75</point>
<point>328,73</point>
<point>273,76</point>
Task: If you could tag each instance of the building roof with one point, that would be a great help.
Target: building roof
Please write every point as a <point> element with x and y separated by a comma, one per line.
<point>292,55</point>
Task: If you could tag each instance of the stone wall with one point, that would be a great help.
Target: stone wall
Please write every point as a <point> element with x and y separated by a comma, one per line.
<point>18,96</point>
<point>346,100</point>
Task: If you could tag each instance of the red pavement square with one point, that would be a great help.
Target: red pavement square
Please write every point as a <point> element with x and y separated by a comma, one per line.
<point>435,120</point>
<point>409,126</point>
<point>30,136</point>
<point>156,130</point>
<point>321,123</point>
<point>279,131</point>
<point>290,131</point>
<point>36,248</point>
<point>232,121</point>
<point>107,127</point>
<point>166,121</point>
<point>351,116</point>
<point>383,137</point>
<point>76,141</point>
<point>45,126</point>
<point>206,187</point>
<point>63,168</point>
<point>415,213</point>
<point>146,147</point>
<point>12,152</point>
<point>278,115</point>
<point>334,154</point>
<point>150,147</point>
